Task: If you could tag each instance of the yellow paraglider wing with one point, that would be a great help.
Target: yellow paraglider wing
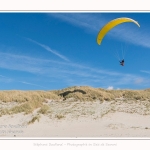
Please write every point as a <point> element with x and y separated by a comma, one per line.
<point>111,25</point>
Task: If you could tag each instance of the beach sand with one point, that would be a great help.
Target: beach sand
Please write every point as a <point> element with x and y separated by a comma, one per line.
<point>71,119</point>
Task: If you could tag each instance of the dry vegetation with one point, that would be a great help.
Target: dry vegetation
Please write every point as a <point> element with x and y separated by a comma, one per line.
<point>37,117</point>
<point>85,93</point>
<point>26,101</point>
<point>60,103</point>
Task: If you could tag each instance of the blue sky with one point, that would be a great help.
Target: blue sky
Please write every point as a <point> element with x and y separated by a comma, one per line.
<point>46,51</point>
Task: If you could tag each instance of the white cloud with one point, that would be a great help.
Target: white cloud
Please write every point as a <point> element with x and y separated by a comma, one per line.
<point>110,88</point>
<point>139,81</point>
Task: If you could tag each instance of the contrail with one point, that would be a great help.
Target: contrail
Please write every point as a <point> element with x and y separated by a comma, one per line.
<point>30,84</point>
<point>49,49</point>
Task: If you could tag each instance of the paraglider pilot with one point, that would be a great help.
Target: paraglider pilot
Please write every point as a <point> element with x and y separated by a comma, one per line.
<point>122,62</point>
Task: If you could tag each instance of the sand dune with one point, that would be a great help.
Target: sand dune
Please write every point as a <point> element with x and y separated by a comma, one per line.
<point>75,118</point>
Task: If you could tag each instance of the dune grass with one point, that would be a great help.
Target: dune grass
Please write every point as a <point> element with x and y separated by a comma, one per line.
<point>37,117</point>
<point>44,109</point>
<point>85,93</point>
<point>28,101</point>
<point>25,96</point>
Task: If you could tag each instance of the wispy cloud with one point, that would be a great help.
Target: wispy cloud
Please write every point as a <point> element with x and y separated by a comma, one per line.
<point>31,84</point>
<point>145,71</point>
<point>5,79</point>
<point>67,73</point>
<point>49,49</point>
<point>94,22</point>
<point>86,21</point>
<point>3,76</point>
<point>139,80</point>
<point>10,80</point>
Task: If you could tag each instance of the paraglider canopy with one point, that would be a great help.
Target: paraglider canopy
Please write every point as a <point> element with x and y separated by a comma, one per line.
<point>111,25</point>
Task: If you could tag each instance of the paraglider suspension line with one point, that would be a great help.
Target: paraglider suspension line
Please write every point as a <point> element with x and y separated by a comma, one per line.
<point>123,51</point>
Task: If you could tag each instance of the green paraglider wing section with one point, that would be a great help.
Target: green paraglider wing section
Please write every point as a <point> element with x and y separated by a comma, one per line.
<point>111,25</point>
